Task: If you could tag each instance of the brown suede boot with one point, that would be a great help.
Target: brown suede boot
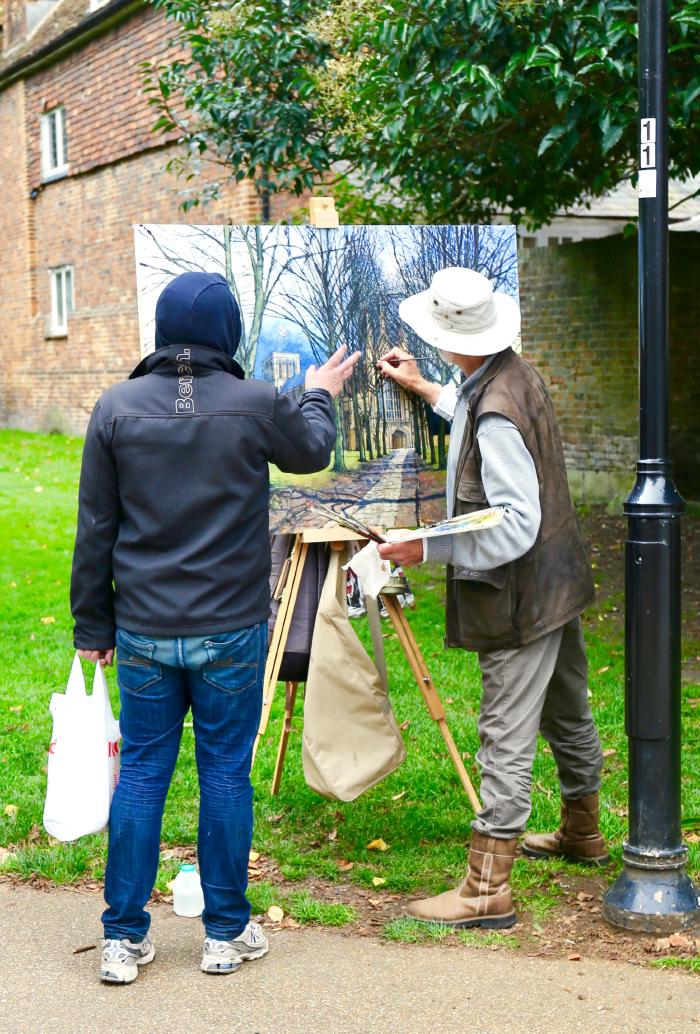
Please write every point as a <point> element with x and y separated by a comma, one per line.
<point>578,838</point>
<point>484,898</point>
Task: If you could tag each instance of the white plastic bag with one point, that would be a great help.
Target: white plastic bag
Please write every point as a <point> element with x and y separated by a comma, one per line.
<point>83,758</point>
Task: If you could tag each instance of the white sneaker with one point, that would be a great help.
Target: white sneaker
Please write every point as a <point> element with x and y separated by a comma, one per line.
<point>121,959</point>
<point>227,956</point>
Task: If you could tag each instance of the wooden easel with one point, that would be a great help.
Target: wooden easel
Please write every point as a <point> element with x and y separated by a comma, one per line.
<point>323,214</point>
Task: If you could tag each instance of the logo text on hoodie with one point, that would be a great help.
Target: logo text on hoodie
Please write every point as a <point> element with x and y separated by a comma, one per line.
<point>185,398</point>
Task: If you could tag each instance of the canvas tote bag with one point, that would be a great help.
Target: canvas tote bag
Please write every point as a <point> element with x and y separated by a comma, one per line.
<point>83,758</point>
<point>351,739</point>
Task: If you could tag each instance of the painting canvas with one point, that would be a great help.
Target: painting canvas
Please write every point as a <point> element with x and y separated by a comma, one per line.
<point>304,291</point>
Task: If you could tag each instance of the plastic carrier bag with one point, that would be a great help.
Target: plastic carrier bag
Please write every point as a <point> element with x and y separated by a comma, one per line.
<point>83,758</point>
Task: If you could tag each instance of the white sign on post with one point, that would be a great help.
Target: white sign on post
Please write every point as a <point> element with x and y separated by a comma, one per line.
<point>646,184</point>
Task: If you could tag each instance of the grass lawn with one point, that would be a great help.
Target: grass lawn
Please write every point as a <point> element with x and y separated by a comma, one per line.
<point>420,811</point>
<point>319,480</point>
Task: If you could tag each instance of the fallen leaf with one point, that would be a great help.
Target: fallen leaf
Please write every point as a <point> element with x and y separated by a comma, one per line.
<point>333,835</point>
<point>600,671</point>
<point>398,796</point>
<point>290,924</point>
<point>693,701</point>
<point>346,866</point>
<point>274,818</point>
<point>692,838</point>
<point>404,725</point>
<point>680,940</point>
<point>11,811</point>
<point>377,845</point>
<point>48,620</point>
<point>378,881</point>
<point>583,896</point>
<point>449,700</point>
<point>574,958</point>
<point>253,856</point>
<point>609,752</point>
<point>465,754</point>
<point>662,943</point>
<point>275,913</point>
<point>15,709</point>
<point>375,901</point>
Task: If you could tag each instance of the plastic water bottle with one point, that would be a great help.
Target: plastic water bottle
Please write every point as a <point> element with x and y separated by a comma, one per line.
<point>188,899</point>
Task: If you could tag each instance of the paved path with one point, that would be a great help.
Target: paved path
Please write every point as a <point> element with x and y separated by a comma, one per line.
<point>314,982</point>
<point>391,502</point>
<point>383,492</point>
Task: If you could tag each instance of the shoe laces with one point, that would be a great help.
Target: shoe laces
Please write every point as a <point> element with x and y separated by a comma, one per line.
<point>116,951</point>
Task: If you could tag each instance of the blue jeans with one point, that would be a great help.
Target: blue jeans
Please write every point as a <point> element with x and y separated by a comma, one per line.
<point>220,677</point>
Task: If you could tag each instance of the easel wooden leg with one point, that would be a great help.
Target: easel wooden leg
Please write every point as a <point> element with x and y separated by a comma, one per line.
<point>280,633</point>
<point>430,695</point>
<point>290,696</point>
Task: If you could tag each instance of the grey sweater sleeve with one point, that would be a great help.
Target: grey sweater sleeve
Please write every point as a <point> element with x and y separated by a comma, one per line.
<point>510,480</point>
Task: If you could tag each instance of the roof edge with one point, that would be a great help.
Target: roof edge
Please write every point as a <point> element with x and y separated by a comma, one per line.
<point>97,23</point>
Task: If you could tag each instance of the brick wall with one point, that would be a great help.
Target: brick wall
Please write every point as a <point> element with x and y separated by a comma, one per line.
<point>101,88</point>
<point>579,305</point>
<point>17,238</point>
<point>87,222</point>
<point>116,178</point>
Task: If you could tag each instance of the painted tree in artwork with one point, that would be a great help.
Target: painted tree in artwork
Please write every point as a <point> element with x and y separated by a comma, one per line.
<point>363,289</point>
<point>312,300</point>
<point>270,254</point>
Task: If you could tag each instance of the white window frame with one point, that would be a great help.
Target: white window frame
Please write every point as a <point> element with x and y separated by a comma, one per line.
<point>61,283</point>
<point>54,151</point>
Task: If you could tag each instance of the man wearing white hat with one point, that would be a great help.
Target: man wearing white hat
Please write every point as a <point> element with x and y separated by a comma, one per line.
<point>515,592</point>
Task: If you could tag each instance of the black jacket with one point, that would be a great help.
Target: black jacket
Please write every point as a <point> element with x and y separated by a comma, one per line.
<point>174,496</point>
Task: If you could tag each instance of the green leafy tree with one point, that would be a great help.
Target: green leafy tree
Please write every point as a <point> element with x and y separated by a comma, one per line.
<point>433,110</point>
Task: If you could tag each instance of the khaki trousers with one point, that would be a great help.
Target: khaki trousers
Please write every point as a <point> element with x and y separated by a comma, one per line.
<point>539,687</point>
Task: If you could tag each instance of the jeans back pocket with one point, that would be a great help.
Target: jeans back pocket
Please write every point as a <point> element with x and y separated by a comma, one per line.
<point>136,668</point>
<point>235,659</point>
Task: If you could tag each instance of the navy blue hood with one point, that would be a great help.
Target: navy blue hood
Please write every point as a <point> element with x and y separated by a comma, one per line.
<point>198,309</point>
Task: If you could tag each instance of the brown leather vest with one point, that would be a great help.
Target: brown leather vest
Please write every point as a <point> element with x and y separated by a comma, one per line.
<point>552,583</point>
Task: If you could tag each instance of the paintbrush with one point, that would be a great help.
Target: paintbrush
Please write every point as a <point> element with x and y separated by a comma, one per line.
<point>413,359</point>
<point>346,520</point>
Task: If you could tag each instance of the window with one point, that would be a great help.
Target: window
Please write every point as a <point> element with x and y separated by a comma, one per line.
<point>61,299</point>
<point>54,153</point>
<point>391,401</point>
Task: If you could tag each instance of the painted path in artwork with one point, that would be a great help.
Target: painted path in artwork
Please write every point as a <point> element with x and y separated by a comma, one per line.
<point>383,493</point>
<point>393,501</point>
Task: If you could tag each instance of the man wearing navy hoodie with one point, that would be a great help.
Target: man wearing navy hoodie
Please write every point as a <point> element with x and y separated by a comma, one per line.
<point>171,565</point>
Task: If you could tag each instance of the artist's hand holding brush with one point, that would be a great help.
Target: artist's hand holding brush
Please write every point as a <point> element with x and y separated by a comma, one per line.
<point>333,374</point>
<point>400,366</point>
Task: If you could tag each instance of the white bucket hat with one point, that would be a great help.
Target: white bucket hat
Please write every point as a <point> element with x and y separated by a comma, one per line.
<point>460,312</point>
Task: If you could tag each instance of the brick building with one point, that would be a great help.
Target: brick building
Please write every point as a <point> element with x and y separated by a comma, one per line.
<point>79,165</point>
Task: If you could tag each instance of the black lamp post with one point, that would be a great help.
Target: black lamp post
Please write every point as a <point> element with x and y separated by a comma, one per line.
<point>653,892</point>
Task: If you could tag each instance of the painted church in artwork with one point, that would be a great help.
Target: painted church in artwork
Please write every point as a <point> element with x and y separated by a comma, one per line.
<point>380,411</point>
